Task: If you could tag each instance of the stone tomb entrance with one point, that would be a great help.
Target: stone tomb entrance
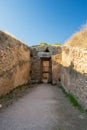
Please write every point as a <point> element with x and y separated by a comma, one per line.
<point>46,66</point>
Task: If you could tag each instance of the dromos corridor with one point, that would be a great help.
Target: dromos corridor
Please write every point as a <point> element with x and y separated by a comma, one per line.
<point>45,107</point>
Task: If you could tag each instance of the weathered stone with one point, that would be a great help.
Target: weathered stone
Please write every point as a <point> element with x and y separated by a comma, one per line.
<point>56,64</point>
<point>14,63</point>
<point>74,72</point>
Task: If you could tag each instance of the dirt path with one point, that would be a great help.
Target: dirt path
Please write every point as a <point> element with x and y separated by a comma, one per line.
<point>44,107</point>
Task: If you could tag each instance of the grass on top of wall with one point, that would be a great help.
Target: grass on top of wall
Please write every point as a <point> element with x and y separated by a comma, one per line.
<point>73,100</point>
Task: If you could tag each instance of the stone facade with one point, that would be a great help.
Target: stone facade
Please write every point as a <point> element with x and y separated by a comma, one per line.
<point>39,54</point>
<point>74,72</point>
<point>14,63</point>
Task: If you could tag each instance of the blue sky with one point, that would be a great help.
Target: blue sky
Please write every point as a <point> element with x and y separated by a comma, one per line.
<point>35,21</point>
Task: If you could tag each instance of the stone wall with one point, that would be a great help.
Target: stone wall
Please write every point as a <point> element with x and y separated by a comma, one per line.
<point>56,64</point>
<point>14,63</point>
<point>74,72</point>
<point>35,69</point>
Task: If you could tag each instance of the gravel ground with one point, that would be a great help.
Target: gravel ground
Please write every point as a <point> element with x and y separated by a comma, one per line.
<point>40,107</point>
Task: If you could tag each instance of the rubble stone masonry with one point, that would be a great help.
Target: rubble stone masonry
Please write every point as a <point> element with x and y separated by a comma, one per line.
<point>14,63</point>
<point>74,72</point>
<point>35,69</point>
<point>56,65</point>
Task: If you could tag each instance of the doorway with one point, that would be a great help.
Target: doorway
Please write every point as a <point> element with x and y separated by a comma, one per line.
<point>46,70</point>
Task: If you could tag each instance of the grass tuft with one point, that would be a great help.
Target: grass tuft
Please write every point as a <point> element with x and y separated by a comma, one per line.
<point>73,100</point>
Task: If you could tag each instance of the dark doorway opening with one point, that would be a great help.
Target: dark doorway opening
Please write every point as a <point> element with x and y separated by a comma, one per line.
<point>46,70</point>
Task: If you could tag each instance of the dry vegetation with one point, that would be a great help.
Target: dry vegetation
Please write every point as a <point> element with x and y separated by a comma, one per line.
<point>78,39</point>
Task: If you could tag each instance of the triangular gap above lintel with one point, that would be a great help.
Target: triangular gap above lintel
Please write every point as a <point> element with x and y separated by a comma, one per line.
<point>46,50</point>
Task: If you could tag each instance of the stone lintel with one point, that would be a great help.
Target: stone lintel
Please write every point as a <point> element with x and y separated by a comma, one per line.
<point>44,54</point>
